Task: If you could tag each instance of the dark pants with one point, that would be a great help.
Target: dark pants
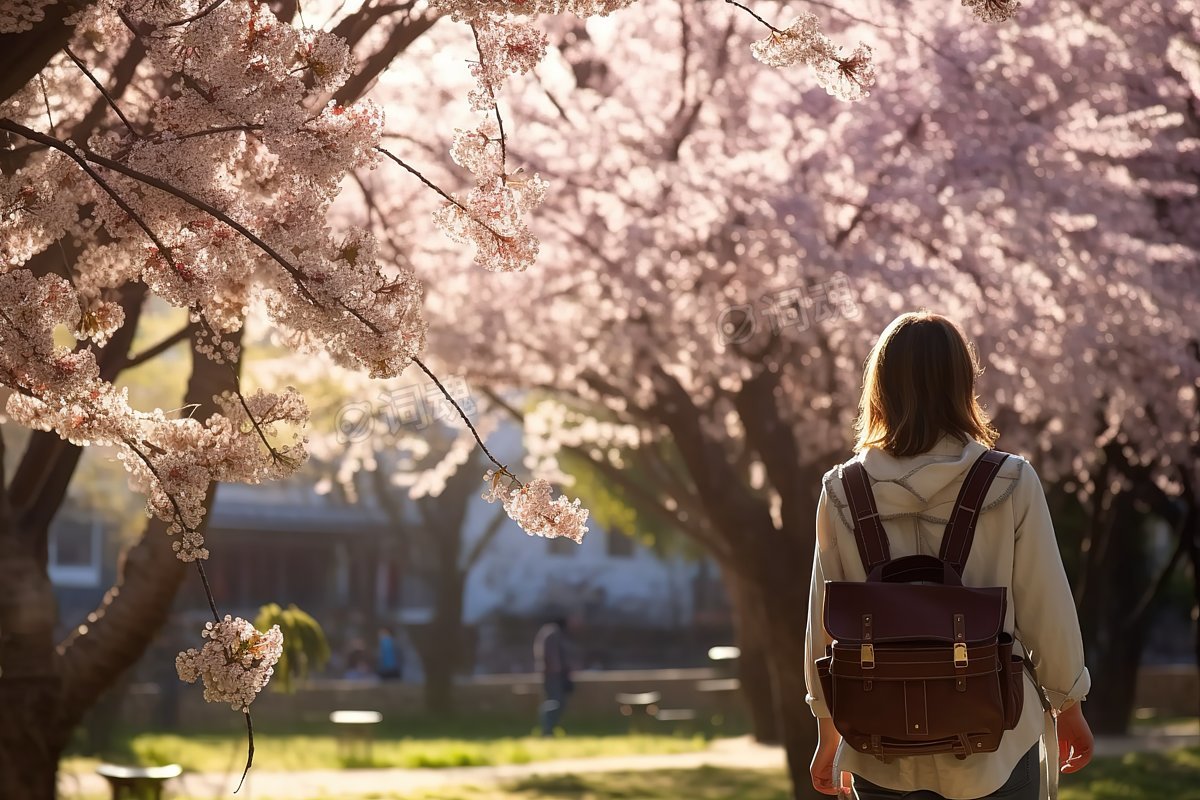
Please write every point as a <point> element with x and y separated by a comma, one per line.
<point>557,689</point>
<point>1023,784</point>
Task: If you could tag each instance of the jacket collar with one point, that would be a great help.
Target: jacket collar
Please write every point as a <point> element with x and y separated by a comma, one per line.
<point>925,484</point>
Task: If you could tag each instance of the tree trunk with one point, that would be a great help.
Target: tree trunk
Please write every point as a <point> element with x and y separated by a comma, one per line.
<point>30,742</point>
<point>46,691</point>
<point>754,671</point>
<point>1114,647</point>
<point>784,595</point>
<point>441,655</point>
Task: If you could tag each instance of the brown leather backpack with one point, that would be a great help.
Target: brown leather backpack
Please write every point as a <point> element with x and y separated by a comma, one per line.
<point>919,664</point>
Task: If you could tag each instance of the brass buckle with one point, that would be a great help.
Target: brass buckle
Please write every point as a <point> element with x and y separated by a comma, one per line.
<point>866,656</point>
<point>960,654</point>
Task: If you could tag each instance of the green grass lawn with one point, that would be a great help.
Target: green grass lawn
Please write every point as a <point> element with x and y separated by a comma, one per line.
<point>705,783</point>
<point>1174,775</point>
<point>417,742</point>
<point>1138,776</point>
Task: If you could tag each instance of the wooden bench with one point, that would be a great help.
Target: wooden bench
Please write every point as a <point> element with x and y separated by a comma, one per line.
<point>138,783</point>
<point>638,706</point>
<point>356,731</point>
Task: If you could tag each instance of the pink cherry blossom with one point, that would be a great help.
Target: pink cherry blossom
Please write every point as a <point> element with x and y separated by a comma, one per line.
<point>531,507</point>
<point>234,664</point>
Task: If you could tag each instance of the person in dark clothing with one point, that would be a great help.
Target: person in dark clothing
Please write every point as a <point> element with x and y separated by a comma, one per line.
<point>553,657</point>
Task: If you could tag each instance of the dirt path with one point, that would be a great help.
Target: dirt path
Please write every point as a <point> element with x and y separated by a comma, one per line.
<point>740,753</point>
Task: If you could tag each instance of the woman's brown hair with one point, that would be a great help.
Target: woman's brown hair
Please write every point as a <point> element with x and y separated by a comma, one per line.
<point>919,384</point>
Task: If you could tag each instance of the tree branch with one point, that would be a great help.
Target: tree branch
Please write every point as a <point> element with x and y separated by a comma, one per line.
<point>159,348</point>
<point>495,525</point>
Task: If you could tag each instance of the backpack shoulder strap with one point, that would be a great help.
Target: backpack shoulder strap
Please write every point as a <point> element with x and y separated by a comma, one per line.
<point>960,528</point>
<point>868,530</point>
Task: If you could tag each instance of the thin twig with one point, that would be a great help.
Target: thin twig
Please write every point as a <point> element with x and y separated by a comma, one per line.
<point>247,127</point>
<point>157,349</point>
<point>212,603</point>
<point>495,105</point>
<point>463,414</point>
<point>756,16</point>
<point>112,103</point>
<point>46,100</point>
<point>441,192</point>
<point>249,749</point>
<point>198,15</point>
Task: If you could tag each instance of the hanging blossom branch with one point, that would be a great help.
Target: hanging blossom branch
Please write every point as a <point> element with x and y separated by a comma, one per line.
<point>237,661</point>
<point>220,350</point>
<point>59,389</point>
<point>81,156</point>
<point>846,76</point>
<point>491,89</point>
<point>440,191</point>
<point>530,504</point>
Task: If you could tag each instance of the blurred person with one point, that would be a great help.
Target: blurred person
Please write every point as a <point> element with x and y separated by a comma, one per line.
<point>389,660</point>
<point>919,430</point>
<point>553,656</point>
<point>358,665</point>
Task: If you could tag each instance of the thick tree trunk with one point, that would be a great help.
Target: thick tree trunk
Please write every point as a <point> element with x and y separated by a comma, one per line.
<point>752,633</point>
<point>784,591</point>
<point>30,742</point>
<point>799,727</point>
<point>441,655</point>
<point>46,690</point>
<point>1115,584</point>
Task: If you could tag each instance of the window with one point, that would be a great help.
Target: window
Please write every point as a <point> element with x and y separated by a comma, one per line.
<point>620,544</point>
<point>74,550</point>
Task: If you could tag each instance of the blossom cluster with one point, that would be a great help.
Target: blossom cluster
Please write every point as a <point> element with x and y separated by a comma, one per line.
<point>174,461</point>
<point>505,46</point>
<point>993,11</point>
<point>491,217</point>
<point>846,76</point>
<point>236,445</point>
<point>252,171</point>
<point>531,507</point>
<point>235,663</point>
<point>492,214</point>
<point>470,10</point>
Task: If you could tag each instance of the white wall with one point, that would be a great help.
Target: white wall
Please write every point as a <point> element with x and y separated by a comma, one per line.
<point>521,574</point>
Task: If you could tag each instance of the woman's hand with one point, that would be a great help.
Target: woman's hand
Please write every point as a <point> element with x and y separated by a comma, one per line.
<point>1075,742</point>
<point>821,768</point>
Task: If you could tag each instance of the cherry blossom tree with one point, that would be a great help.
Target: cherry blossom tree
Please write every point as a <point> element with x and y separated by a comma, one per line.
<point>190,152</point>
<point>728,242</point>
<point>81,246</point>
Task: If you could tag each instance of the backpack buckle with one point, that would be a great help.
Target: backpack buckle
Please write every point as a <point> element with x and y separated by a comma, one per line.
<point>866,656</point>
<point>960,654</point>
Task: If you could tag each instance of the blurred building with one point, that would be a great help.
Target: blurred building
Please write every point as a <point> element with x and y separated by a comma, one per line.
<point>341,562</point>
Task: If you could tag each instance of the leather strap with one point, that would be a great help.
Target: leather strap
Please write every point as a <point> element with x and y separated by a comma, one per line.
<point>960,528</point>
<point>868,530</point>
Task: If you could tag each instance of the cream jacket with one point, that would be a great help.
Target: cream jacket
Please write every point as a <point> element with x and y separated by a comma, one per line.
<point>1014,546</point>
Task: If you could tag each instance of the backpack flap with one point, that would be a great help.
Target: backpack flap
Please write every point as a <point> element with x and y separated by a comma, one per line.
<point>899,612</point>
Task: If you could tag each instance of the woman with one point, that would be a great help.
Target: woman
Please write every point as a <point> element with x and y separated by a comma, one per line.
<point>920,428</point>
